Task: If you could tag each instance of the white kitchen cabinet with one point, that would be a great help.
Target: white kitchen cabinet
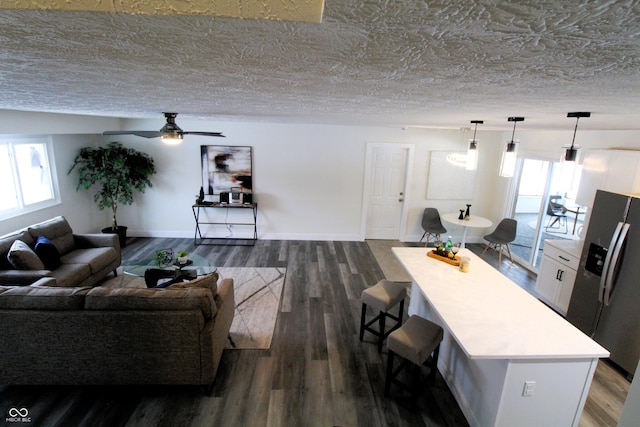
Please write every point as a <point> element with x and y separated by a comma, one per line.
<point>617,171</point>
<point>558,273</point>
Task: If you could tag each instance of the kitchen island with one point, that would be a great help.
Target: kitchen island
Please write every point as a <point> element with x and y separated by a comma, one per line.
<point>508,359</point>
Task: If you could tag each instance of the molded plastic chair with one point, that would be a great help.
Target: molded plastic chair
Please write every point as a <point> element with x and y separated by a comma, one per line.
<point>557,214</point>
<point>504,234</point>
<point>431,225</point>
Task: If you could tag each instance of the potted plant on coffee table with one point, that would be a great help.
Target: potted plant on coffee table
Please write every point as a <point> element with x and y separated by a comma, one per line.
<point>117,172</point>
<point>182,257</point>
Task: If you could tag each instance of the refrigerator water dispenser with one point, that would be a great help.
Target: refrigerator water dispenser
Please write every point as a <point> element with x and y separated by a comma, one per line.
<point>595,259</point>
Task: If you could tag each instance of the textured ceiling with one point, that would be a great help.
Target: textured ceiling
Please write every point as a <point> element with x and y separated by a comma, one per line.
<point>398,63</point>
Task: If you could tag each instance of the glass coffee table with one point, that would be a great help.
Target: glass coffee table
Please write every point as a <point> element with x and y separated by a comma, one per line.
<point>196,266</point>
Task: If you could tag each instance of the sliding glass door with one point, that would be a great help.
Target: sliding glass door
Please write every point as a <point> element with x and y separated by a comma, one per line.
<point>543,203</point>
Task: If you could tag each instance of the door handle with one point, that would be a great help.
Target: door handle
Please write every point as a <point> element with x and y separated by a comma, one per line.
<point>614,266</point>
<point>401,200</point>
<point>607,262</point>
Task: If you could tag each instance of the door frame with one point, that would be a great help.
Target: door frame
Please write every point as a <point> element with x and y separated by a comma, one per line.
<point>368,175</point>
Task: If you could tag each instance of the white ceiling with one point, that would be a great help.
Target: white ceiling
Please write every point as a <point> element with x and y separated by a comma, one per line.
<point>370,62</point>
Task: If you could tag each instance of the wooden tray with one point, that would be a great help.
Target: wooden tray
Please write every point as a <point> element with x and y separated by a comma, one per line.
<point>454,261</point>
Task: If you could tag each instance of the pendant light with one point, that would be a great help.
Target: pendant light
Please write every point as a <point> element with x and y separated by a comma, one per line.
<point>472,151</point>
<point>571,152</point>
<point>510,154</point>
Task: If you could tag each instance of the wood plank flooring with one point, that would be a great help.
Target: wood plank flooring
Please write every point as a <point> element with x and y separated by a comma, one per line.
<point>317,372</point>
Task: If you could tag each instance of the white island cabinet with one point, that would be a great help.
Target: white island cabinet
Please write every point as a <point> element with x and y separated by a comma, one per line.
<point>558,271</point>
<point>508,359</point>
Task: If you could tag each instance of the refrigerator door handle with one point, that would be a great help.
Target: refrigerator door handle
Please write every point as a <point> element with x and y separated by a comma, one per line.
<point>607,262</point>
<point>615,259</point>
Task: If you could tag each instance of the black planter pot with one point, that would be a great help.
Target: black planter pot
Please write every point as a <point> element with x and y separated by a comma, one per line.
<point>121,232</point>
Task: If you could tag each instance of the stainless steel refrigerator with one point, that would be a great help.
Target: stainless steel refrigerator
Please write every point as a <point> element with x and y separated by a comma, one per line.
<point>605,303</point>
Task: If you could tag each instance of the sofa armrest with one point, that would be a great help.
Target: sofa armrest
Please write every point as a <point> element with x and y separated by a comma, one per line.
<point>225,294</point>
<point>97,240</point>
<point>22,277</point>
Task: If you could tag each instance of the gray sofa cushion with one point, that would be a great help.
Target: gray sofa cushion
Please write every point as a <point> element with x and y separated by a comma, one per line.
<point>22,257</point>
<point>97,258</point>
<point>43,298</point>
<point>57,230</point>
<point>69,275</point>
<point>101,298</point>
<point>5,243</point>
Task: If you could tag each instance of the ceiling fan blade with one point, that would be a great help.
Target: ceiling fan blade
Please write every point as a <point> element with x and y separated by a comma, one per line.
<point>205,134</point>
<point>142,133</point>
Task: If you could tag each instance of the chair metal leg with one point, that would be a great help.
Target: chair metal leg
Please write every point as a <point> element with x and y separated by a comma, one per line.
<point>499,255</point>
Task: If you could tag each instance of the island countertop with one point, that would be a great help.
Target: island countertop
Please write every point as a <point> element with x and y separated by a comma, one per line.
<point>490,316</point>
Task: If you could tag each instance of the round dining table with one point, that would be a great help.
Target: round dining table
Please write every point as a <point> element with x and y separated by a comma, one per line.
<point>474,221</point>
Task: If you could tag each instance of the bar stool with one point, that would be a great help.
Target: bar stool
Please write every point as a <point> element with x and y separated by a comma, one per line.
<point>382,296</point>
<point>414,342</point>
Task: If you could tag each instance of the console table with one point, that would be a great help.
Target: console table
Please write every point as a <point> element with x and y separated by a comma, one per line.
<point>253,223</point>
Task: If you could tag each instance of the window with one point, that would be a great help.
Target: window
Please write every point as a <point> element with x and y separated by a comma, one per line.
<point>28,176</point>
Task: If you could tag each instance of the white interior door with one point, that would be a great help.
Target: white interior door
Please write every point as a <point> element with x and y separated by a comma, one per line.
<point>386,179</point>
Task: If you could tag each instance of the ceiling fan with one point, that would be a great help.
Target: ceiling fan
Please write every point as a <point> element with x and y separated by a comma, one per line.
<point>170,132</point>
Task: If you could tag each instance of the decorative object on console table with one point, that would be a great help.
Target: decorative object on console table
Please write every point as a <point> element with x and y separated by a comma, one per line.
<point>467,215</point>
<point>117,171</point>
<point>461,217</point>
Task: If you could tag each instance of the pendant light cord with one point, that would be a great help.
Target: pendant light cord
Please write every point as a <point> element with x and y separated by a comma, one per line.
<point>574,133</point>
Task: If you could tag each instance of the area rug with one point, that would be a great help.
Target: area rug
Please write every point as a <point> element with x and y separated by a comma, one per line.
<point>387,261</point>
<point>257,294</point>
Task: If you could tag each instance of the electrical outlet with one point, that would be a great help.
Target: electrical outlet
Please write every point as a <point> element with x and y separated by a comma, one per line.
<point>529,386</point>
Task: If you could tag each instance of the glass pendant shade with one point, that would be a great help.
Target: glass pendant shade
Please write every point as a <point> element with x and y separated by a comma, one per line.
<point>472,151</point>
<point>571,152</point>
<point>472,155</point>
<point>510,154</point>
<point>509,157</point>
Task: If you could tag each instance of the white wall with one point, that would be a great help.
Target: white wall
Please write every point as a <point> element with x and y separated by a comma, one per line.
<point>308,179</point>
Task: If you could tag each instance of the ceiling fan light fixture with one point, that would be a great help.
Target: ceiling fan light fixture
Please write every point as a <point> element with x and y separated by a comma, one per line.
<point>571,151</point>
<point>472,151</point>
<point>173,138</point>
<point>510,154</point>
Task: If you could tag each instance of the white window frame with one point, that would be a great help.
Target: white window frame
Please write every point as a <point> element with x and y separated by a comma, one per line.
<point>11,142</point>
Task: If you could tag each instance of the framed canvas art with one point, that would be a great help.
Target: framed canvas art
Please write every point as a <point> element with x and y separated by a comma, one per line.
<point>225,167</point>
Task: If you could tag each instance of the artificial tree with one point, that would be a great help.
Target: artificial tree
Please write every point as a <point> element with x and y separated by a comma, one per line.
<point>117,171</point>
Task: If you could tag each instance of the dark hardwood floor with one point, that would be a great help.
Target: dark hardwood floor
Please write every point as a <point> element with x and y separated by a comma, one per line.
<point>317,372</point>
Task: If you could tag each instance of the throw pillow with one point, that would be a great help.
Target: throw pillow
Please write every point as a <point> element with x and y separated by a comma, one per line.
<point>47,252</point>
<point>21,257</point>
<point>209,281</point>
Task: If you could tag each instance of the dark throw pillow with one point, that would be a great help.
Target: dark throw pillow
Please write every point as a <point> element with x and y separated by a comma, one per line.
<point>47,252</point>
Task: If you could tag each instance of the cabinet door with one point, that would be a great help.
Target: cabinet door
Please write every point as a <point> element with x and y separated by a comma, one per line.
<point>547,284</point>
<point>564,296</point>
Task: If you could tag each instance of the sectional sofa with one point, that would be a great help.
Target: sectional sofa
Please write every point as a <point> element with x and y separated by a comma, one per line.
<point>64,324</point>
<point>52,249</point>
